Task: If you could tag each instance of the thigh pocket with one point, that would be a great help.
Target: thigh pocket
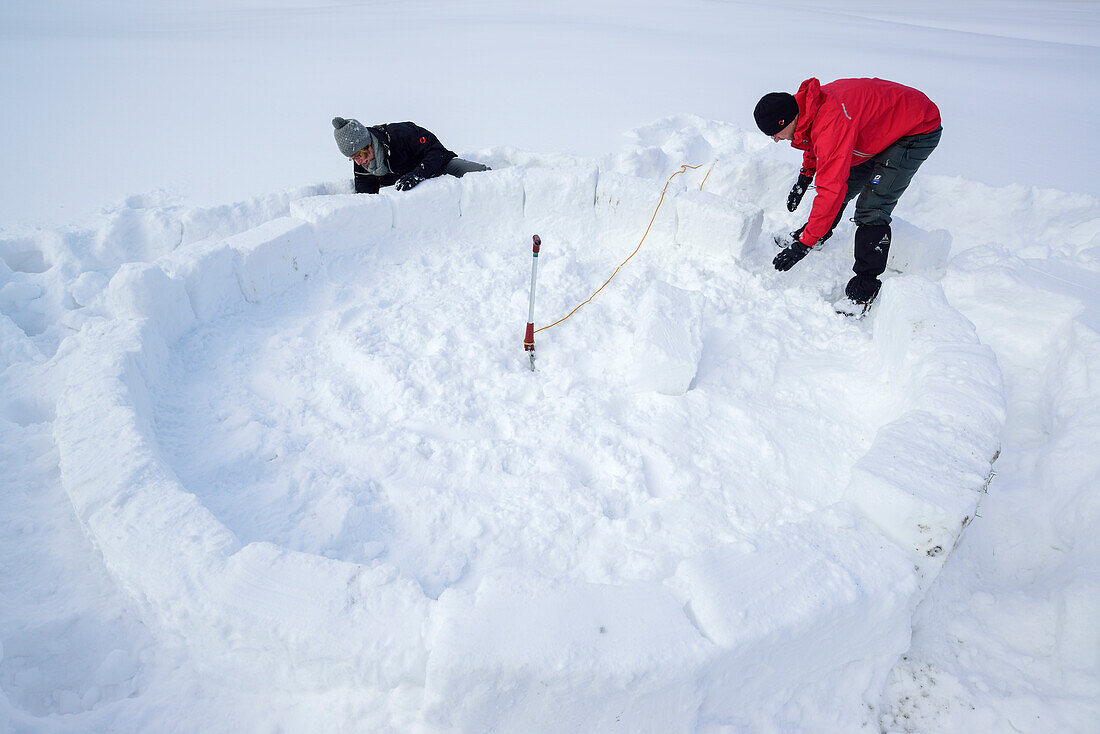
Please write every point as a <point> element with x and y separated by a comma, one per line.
<point>884,175</point>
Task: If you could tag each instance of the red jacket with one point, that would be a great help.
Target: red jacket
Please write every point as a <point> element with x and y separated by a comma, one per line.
<point>845,123</point>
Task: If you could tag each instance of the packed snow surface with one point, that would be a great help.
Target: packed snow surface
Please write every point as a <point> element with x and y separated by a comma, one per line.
<point>280,464</point>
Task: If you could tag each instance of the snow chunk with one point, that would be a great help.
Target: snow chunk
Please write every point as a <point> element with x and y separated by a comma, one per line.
<point>530,654</point>
<point>255,264</point>
<point>769,605</point>
<point>274,256</point>
<point>87,287</point>
<point>669,340</point>
<point>208,270</point>
<point>1078,608</point>
<point>143,290</point>
<point>626,205</point>
<point>918,251</point>
<point>345,222</point>
<point>717,226</point>
<point>431,205</point>
<point>138,232</point>
<point>559,192</point>
<point>324,622</point>
<point>490,197</point>
<point>15,345</point>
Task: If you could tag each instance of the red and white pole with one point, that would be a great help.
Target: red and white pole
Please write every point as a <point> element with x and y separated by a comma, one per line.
<point>529,337</point>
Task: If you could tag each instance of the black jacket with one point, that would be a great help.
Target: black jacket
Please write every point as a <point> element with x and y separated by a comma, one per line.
<point>409,149</point>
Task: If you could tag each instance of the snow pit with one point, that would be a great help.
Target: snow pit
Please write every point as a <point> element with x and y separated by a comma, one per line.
<point>315,446</point>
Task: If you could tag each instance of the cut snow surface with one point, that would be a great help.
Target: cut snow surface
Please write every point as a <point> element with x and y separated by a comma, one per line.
<point>312,450</point>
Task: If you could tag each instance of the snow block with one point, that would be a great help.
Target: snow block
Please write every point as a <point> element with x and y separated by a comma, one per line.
<point>87,287</point>
<point>492,197</point>
<point>143,290</point>
<point>431,205</point>
<point>708,224</point>
<point>644,161</point>
<point>208,270</point>
<point>15,345</point>
<point>528,654</point>
<point>1078,611</point>
<point>770,606</point>
<point>346,222</point>
<point>329,622</point>
<point>924,475</point>
<point>274,256</point>
<point>918,251</point>
<point>559,193</point>
<point>226,220</point>
<point>20,302</point>
<point>625,204</point>
<point>104,416</point>
<point>669,341</point>
<point>137,233</point>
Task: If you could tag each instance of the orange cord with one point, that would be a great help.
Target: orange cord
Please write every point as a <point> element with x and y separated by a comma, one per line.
<point>708,175</point>
<point>683,168</point>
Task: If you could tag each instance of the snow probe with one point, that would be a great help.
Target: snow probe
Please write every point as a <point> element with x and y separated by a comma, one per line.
<point>652,219</point>
<point>529,337</point>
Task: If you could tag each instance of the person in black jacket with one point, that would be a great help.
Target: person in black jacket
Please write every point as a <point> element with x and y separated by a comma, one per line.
<point>400,154</point>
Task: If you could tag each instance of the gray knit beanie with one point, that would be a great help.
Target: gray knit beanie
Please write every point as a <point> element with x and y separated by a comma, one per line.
<point>351,136</point>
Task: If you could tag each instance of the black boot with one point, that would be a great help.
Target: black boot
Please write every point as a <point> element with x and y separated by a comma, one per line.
<point>862,290</point>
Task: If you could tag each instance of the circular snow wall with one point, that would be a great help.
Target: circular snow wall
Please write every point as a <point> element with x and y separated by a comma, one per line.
<point>323,452</point>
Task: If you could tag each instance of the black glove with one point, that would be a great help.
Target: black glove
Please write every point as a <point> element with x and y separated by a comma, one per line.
<point>407,181</point>
<point>798,191</point>
<point>786,259</point>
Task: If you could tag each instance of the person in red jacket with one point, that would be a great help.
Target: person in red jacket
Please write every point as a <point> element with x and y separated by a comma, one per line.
<point>864,137</point>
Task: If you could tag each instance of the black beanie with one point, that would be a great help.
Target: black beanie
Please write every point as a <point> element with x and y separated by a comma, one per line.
<point>774,111</point>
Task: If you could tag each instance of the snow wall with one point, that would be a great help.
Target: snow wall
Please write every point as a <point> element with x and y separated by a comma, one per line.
<point>756,632</point>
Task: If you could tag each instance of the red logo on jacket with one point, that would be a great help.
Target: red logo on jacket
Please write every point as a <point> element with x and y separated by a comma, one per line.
<point>423,140</point>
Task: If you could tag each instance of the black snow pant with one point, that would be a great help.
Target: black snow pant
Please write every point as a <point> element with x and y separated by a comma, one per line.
<point>879,183</point>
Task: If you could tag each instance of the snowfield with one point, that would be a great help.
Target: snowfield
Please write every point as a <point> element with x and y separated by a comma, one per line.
<point>279,464</point>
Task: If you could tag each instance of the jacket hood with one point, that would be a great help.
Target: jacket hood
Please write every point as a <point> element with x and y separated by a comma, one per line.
<point>809,98</point>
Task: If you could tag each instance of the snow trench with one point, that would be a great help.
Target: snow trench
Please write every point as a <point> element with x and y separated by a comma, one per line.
<point>315,447</point>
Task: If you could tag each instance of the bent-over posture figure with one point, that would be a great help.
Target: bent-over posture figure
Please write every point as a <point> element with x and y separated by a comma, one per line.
<point>864,137</point>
